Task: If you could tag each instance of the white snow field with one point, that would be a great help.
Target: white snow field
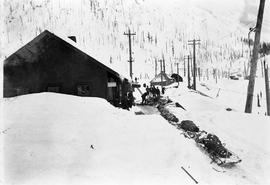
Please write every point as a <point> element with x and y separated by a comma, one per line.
<point>48,138</point>
<point>247,135</point>
<point>61,139</point>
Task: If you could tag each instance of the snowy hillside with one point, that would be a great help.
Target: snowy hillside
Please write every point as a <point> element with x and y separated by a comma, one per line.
<point>162,28</point>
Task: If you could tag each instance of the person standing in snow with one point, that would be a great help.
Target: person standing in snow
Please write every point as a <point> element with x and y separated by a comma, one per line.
<point>158,92</point>
<point>163,90</point>
<point>124,102</point>
<point>130,99</point>
<point>144,95</point>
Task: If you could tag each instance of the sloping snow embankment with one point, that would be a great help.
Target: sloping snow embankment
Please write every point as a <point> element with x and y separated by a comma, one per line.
<point>48,140</point>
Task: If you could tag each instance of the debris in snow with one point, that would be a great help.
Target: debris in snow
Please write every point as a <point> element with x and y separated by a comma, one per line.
<point>218,170</point>
<point>188,125</point>
<point>228,109</point>
<point>214,146</point>
<point>178,105</point>
<point>189,175</point>
<point>167,115</point>
<point>4,131</point>
<point>139,113</point>
<point>209,142</point>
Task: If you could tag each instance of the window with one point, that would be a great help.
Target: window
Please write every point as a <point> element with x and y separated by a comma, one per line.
<point>84,89</point>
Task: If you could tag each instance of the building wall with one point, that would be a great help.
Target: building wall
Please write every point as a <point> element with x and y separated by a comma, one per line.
<point>54,63</point>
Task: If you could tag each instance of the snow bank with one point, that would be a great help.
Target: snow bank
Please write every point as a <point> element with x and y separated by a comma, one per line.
<point>61,139</point>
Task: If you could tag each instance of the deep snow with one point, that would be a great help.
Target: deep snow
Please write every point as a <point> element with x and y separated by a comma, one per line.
<point>247,135</point>
<point>48,137</point>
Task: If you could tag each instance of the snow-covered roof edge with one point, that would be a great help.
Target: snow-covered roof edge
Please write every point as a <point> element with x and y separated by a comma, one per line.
<point>76,45</point>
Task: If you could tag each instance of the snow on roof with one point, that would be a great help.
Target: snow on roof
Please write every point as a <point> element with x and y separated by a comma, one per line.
<point>29,48</point>
<point>78,46</point>
<point>158,78</point>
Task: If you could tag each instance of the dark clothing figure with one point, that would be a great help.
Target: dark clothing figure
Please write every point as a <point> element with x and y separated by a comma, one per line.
<point>147,89</point>
<point>144,97</point>
<point>130,99</point>
<point>158,92</point>
<point>163,90</point>
<point>124,102</point>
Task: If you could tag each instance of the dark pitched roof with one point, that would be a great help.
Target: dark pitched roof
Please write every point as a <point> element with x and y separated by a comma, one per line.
<point>30,51</point>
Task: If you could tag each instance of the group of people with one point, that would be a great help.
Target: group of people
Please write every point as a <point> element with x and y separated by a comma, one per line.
<point>152,92</point>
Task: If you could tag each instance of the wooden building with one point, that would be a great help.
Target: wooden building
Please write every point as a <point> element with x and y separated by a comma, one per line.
<point>49,63</point>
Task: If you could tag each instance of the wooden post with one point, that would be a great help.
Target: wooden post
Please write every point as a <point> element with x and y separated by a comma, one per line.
<point>194,43</point>
<point>130,51</point>
<point>155,67</point>
<point>253,68</point>
<point>184,68</point>
<point>262,68</point>
<point>163,59</point>
<point>267,90</point>
<point>188,73</point>
<point>258,101</point>
<point>199,73</point>
<point>161,77</point>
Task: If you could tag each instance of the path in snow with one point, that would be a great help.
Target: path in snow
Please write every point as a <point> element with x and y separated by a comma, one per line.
<point>148,109</point>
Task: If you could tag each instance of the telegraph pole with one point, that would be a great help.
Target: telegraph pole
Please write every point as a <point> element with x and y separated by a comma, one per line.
<point>177,65</point>
<point>194,43</point>
<point>130,51</point>
<point>254,58</point>
<point>188,70</point>
<point>267,90</point>
<point>163,63</point>
<point>184,68</point>
<point>161,75</point>
<point>155,67</point>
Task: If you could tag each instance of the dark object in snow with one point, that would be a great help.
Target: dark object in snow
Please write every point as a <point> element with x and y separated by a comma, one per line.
<point>178,105</point>
<point>228,109</point>
<point>189,175</point>
<point>163,90</point>
<point>92,146</point>
<point>214,146</point>
<point>169,101</point>
<point>73,38</point>
<point>188,125</point>
<point>177,77</point>
<point>139,113</point>
<point>166,114</point>
<point>144,97</point>
<point>234,77</point>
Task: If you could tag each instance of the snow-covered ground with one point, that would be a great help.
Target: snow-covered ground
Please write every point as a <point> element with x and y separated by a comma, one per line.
<point>248,135</point>
<point>48,137</point>
<point>61,139</point>
<point>52,138</point>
